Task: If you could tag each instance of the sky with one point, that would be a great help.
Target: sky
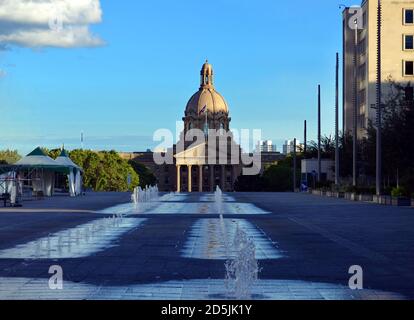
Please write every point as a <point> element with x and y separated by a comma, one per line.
<point>119,70</point>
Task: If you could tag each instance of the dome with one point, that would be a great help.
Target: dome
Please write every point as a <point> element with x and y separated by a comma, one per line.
<point>206,96</point>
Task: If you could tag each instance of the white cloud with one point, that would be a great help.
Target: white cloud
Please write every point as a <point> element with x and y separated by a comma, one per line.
<point>3,73</point>
<point>49,23</point>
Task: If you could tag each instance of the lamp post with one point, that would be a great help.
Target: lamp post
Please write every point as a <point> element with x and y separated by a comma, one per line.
<point>294,165</point>
<point>378,102</point>
<point>355,113</point>
<point>319,133</point>
<point>337,120</point>
<point>305,138</point>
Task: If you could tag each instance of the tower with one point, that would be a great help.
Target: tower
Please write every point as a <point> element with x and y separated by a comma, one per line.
<point>207,107</point>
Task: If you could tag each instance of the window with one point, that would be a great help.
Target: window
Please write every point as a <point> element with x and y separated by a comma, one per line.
<point>409,42</point>
<point>409,16</point>
<point>409,68</point>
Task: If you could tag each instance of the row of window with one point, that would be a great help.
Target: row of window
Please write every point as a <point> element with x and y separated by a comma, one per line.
<point>408,42</point>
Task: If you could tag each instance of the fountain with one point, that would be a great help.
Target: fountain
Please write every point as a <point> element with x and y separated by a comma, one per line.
<point>77,237</point>
<point>242,271</point>
<point>143,199</point>
<point>241,266</point>
<point>218,200</point>
<point>38,248</point>
<point>60,245</point>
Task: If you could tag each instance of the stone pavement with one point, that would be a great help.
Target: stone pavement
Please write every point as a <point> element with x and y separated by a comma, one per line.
<point>312,242</point>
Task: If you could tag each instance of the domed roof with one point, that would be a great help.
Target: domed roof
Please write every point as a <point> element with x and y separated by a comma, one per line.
<point>206,98</point>
<point>209,98</point>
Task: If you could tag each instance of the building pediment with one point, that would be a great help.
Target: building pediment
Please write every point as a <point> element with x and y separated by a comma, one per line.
<point>195,155</point>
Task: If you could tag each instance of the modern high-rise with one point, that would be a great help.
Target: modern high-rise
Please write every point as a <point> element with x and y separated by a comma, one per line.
<point>266,146</point>
<point>288,147</point>
<point>360,50</point>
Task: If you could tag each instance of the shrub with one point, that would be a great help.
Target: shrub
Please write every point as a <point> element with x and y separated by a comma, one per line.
<point>398,192</point>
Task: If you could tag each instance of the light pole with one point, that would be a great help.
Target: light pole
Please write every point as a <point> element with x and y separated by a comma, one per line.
<point>319,133</point>
<point>336,121</point>
<point>355,113</point>
<point>305,146</point>
<point>294,165</point>
<point>379,115</point>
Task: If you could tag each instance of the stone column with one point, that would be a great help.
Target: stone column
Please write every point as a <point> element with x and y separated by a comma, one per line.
<point>233,176</point>
<point>212,176</point>
<point>178,178</point>
<point>200,178</point>
<point>189,178</point>
<point>223,177</point>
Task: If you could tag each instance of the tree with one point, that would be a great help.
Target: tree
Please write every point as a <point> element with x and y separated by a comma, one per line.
<point>279,177</point>
<point>54,153</point>
<point>327,148</point>
<point>9,156</point>
<point>105,170</point>
<point>397,139</point>
<point>146,177</point>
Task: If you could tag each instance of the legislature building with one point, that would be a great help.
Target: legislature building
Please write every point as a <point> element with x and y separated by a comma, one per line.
<point>199,165</point>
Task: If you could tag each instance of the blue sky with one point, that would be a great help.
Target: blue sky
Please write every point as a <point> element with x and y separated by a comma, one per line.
<point>268,57</point>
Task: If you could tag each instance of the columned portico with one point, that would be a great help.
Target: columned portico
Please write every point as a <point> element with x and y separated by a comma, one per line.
<point>178,178</point>
<point>217,175</point>
<point>200,178</point>
<point>190,186</point>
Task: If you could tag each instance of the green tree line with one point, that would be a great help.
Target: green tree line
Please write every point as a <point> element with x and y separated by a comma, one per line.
<point>102,170</point>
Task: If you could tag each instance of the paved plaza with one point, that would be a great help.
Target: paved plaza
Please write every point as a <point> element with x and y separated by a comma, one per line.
<point>172,249</point>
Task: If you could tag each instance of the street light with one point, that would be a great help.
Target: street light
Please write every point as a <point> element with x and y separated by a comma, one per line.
<point>337,120</point>
<point>379,124</point>
<point>294,165</point>
<point>355,115</point>
<point>319,133</point>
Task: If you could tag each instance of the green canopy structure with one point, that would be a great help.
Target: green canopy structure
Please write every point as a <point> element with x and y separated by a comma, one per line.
<point>64,160</point>
<point>40,169</point>
<point>37,159</point>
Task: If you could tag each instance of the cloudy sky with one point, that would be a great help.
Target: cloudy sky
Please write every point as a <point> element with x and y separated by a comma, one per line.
<point>119,70</point>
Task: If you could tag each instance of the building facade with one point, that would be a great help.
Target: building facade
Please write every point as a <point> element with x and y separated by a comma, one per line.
<point>216,159</point>
<point>266,146</point>
<point>199,165</point>
<point>289,146</point>
<point>360,57</point>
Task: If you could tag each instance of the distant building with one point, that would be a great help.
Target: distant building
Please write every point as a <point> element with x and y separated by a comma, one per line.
<point>289,145</point>
<point>266,146</point>
<point>310,170</point>
<point>397,48</point>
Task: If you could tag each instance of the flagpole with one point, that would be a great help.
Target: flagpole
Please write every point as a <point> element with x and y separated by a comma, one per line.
<point>206,124</point>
